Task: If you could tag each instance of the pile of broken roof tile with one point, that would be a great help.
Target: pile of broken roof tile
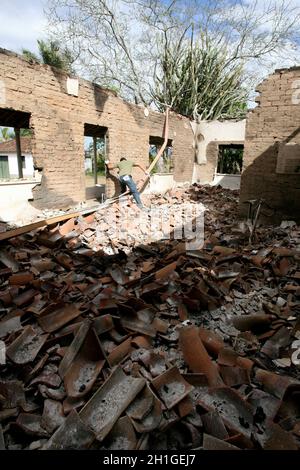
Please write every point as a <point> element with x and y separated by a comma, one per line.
<point>113,344</point>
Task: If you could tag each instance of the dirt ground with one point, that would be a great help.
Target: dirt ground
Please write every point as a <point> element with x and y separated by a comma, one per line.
<point>89,180</point>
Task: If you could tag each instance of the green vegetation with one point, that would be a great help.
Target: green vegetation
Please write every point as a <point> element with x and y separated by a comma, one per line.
<point>230,159</point>
<point>7,133</point>
<point>51,53</point>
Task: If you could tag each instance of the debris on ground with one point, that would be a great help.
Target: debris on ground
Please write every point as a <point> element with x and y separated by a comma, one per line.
<point>29,215</point>
<point>127,343</point>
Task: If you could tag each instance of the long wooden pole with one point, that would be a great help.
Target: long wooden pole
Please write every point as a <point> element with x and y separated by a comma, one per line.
<point>162,149</point>
<point>159,153</point>
<point>95,160</point>
<point>19,152</point>
<point>43,223</point>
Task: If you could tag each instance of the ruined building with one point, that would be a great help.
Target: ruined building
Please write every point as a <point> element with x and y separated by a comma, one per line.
<point>61,111</point>
<point>271,166</point>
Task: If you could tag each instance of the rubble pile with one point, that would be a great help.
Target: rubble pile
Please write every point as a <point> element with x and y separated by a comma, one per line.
<point>123,226</point>
<point>30,215</point>
<point>129,344</point>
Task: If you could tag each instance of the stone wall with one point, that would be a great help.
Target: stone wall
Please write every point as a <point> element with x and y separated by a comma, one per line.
<point>272,148</point>
<point>58,115</point>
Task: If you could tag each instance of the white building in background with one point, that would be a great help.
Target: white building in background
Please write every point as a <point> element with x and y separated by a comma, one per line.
<point>16,193</point>
<point>9,160</point>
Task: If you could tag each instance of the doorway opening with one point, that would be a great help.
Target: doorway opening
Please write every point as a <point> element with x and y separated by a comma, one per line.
<point>165,164</point>
<point>95,153</point>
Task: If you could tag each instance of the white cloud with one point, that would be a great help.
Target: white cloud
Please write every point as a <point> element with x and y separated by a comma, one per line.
<point>289,53</point>
<point>22,23</point>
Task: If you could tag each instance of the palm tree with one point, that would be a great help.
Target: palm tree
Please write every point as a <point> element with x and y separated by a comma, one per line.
<point>7,133</point>
<point>51,53</point>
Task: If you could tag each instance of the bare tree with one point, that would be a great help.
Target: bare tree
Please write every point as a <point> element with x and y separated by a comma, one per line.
<point>138,46</point>
<point>102,34</point>
<point>197,82</point>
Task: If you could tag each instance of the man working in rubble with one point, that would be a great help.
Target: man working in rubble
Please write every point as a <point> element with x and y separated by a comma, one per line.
<point>125,170</point>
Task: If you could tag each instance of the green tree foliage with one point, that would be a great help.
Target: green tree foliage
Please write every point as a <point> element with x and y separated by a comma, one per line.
<point>230,159</point>
<point>53,54</point>
<point>165,163</point>
<point>144,46</point>
<point>100,144</point>
<point>7,133</point>
<point>30,56</point>
<point>198,82</point>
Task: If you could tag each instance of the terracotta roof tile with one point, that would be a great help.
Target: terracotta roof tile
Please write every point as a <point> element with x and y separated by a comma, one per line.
<point>10,145</point>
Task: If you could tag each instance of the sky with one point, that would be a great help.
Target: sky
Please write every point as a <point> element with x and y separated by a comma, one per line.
<point>21,27</point>
<point>22,23</point>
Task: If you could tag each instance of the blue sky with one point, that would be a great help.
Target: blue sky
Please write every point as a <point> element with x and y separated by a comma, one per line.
<point>22,23</point>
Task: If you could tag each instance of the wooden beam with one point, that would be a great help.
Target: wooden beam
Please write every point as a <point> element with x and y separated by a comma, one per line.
<point>160,152</point>
<point>95,160</point>
<point>162,149</point>
<point>20,230</point>
<point>43,223</point>
<point>19,152</point>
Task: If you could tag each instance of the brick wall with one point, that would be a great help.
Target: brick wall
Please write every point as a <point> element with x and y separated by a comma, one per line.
<point>57,121</point>
<point>272,157</point>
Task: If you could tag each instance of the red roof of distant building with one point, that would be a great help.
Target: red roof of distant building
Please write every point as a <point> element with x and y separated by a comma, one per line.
<point>10,145</point>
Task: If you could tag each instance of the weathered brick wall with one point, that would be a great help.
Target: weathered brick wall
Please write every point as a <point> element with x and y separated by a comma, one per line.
<point>272,148</point>
<point>57,120</point>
